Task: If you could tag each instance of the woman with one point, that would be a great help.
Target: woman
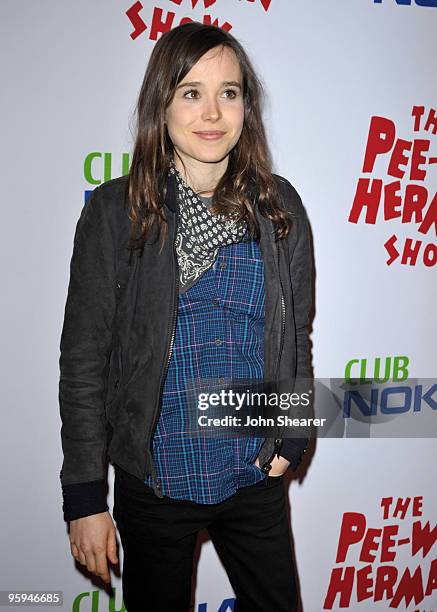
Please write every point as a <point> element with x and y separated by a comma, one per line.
<point>191,272</point>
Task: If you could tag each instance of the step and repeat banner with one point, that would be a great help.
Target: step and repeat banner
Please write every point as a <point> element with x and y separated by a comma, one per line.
<point>351,116</point>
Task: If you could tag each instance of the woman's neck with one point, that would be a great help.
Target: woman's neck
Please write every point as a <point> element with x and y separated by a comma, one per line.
<point>201,176</point>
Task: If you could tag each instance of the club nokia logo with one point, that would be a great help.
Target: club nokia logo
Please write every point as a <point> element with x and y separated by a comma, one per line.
<point>429,3</point>
<point>99,167</point>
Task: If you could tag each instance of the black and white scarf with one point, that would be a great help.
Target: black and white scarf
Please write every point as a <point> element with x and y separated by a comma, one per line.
<point>200,234</point>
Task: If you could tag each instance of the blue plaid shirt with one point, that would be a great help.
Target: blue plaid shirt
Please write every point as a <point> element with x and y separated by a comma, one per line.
<point>219,336</point>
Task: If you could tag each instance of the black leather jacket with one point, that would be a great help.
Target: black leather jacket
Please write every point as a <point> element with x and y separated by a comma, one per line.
<point>119,321</point>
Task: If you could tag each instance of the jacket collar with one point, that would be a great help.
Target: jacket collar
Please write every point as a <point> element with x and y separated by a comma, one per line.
<point>170,198</point>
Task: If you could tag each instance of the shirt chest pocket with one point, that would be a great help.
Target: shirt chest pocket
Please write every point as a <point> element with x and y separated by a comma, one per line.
<point>240,280</point>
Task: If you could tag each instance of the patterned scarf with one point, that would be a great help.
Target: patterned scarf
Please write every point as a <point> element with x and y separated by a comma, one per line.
<point>200,234</point>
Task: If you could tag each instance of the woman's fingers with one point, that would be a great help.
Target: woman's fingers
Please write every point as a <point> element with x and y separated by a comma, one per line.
<point>74,551</point>
<point>82,558</point>
<point>90,561</point>
<point>77,554</point>
<point>111,550</point>
<point>96,563</point>
<point>102,566</point>
<point>279,466</point>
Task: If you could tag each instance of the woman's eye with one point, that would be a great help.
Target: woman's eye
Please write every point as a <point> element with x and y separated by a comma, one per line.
<point>233,92</point>
<point>189,92</point>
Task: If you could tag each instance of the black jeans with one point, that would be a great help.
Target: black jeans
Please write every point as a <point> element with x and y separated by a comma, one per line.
<point>249,531</point>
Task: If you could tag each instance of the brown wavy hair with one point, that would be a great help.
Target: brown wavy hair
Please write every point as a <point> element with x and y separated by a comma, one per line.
<point>249,164</point>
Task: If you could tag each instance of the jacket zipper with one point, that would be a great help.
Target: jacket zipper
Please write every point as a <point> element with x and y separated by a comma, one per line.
<point>267,466</point>
<point>117,346</point>
<point>149,441</point>
<point>283,311</point>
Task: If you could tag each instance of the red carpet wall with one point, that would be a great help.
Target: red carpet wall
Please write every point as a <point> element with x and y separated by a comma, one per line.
<point>352,123</point>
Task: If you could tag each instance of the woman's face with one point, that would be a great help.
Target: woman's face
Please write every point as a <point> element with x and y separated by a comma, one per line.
<point>209,99</point>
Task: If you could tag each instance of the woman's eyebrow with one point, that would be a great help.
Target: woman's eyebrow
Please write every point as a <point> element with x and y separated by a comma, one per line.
<point>197,83</point>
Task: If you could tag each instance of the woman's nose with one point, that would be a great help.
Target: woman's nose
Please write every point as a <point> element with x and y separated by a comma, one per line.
<point>211,110</point>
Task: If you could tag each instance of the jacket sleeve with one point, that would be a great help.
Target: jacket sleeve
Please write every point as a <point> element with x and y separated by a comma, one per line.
<point>301,277</point>
<point>85,346</point>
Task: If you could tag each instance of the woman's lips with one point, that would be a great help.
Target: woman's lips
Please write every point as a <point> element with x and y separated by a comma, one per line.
<point>214,135</point>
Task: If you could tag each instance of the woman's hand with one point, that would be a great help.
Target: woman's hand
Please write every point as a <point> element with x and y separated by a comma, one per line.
<point>279,465</point>
<point>92,539</point>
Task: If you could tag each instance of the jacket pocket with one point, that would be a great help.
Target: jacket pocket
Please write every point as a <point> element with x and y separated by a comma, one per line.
<point>114,380</point>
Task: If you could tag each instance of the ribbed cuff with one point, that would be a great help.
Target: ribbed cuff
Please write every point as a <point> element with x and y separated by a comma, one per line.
<point>83,499</point>
<point>293,450</point>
